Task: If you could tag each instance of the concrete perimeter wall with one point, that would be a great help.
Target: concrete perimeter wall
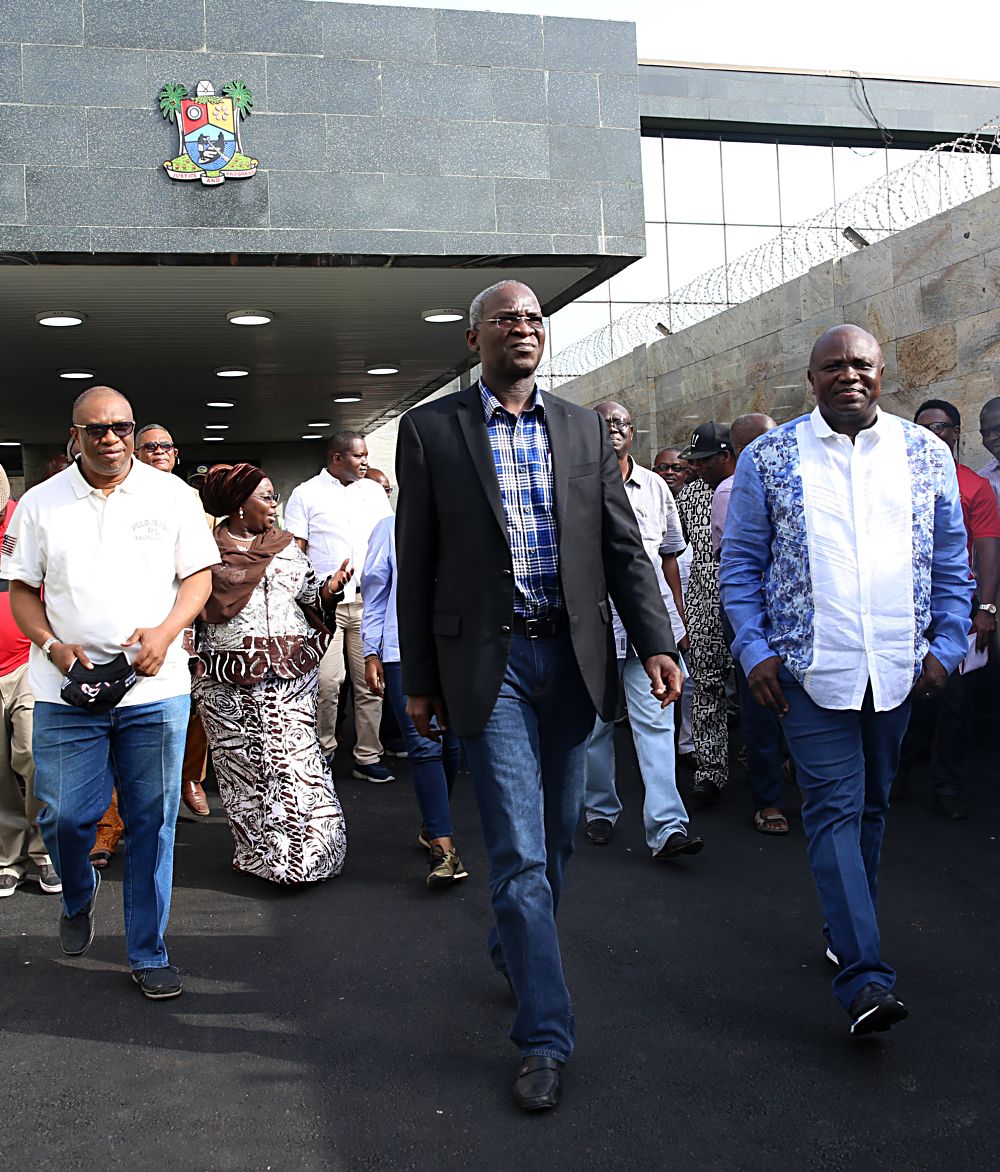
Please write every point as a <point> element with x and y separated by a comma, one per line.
<point>930,294</point>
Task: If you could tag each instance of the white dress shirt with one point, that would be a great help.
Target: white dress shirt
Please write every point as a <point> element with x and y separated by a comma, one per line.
<point>336,521</point>
<point>858,501</point>
<point>110,564</point>
<point>661,533</point>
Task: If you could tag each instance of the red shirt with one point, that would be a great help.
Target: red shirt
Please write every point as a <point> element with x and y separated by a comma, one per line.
<point>979,506</point>
<point>14,646</point>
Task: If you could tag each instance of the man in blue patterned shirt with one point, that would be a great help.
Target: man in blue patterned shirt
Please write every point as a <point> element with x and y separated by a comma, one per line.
<point>512,530</point>
<point>845,577</point>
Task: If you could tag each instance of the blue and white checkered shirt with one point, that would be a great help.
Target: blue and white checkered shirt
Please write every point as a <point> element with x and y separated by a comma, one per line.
<point>523,462</point>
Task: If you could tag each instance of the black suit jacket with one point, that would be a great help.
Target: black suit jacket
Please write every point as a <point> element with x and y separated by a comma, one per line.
<point>455,596</point>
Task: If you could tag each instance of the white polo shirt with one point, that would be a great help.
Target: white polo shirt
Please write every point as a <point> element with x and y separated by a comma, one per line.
<point>336,521</point>
<point>109,564</point>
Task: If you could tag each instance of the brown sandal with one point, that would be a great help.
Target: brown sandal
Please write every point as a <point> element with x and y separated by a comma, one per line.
<point>770,823</point>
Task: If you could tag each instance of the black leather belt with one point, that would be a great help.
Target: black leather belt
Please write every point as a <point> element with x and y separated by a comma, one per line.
<point>544,628</point>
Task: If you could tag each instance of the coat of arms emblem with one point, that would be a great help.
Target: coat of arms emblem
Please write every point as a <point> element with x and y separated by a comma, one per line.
<point>208,128</point>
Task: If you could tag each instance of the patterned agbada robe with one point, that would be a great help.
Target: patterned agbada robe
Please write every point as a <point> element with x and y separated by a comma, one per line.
<point>274,781</point>
<point>708,658</point>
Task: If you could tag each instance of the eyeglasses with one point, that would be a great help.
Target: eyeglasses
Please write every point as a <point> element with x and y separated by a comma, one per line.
<point>269,498</point>
<point>619,425</point>
<point>151,447</point>
<point>937,428</point>
<point>97,431</point>
<point>670,467</point>
<point>507,321</point>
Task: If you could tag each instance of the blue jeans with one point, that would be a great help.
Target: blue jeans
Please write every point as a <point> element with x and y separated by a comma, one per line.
<point>663,811</point>
<point>77,756</point>
<point>528,768</point>
<point>761,730</point>
<point>434,764</point>
<point>845,762</point>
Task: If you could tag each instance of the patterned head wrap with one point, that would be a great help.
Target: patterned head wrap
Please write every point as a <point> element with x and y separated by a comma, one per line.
<point>4,489</point>
<point>227,486</point>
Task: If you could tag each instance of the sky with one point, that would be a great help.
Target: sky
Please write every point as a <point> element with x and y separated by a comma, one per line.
<point>904,38</point>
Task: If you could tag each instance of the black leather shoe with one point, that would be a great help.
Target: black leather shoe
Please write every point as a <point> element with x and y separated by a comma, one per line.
<point>158,984</point>
<point>705,793</point>
<point>875,1009</point>
<point>599,831</point>
<point>678,844</point>
<point>537,1085</point>
<point>949,806</point>
<point>76,933</point>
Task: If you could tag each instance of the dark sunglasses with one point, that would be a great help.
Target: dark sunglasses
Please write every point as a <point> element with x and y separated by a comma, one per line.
<point>669,467</point>
<point>151,447</point>
<point>97,431</point>
<point>269,498</point>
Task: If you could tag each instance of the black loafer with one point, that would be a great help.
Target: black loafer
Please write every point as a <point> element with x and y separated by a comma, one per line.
<point>599,831</point>
<point>678,844</point>
<point>537,1085</point>
<point>158,984</point>
<point>874,1009</point>
<point>76,933</point>
<point>705,793</point>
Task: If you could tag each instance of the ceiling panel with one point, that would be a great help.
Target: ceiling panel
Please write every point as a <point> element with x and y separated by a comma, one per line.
<point>157,333</point>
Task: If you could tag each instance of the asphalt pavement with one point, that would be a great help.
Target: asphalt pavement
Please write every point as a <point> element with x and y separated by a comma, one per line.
<point>356,1024</point>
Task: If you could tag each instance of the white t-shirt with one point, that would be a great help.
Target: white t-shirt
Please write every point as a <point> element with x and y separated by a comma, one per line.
<point>109,564</point>
<point>336,522</point>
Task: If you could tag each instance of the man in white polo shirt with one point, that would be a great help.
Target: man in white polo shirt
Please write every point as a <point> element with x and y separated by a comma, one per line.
<point>111,556</point>
<point>332,517</point>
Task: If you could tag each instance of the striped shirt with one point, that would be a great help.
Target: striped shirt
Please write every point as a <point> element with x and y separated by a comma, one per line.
<point>991,472</point>
<point>523,462</point>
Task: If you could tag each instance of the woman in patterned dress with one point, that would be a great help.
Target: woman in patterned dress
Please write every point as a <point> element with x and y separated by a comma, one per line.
<point>259,647</point>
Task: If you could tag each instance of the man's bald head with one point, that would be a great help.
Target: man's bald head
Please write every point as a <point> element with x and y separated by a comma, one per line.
<point>745,429</point>
<point>845,373</point>
<point>989,427</point>
<point>106,395</point>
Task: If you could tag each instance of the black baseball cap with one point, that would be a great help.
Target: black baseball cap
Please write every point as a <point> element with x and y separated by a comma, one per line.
<point>707,439</point>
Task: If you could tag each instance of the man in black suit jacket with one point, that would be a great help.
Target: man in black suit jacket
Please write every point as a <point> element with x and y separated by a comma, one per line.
<point>512,529</point>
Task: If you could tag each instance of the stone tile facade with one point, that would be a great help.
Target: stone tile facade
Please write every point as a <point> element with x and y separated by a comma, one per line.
<point>378,129</point>
<point>930,294</point>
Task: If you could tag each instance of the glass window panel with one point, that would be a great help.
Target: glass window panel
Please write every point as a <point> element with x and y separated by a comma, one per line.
<point>693,178</point>
<point>854,169</point>
<point>694,249</point>
<point>750,182</point>
<point>645,279</point>
<point>652,177</point>
<point>574,322</point>
<point>805,174</point>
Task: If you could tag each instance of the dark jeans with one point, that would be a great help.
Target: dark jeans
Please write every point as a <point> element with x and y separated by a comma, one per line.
<point>528,766</point>
<point>845,762</point>
<point>939,730</point>
<point>761,736</point>
<point>434,764</point>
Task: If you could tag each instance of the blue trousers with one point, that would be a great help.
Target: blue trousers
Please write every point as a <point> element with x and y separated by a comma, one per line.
<point>761,735</point>
<point>77,757</point>
<point>433,764</point>
<point>845,762</point>
<point>652,728</point>
<point>528,768</point>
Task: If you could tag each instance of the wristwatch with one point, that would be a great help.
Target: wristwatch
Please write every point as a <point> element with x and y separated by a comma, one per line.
<point>48,645</point>
<point>988,606</point>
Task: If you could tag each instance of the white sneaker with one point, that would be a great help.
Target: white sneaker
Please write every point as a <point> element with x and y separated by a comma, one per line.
<point>48,880</point>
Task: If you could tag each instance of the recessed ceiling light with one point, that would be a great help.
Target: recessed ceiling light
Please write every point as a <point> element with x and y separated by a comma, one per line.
<point>232,371</point>
<point>77,372</point>
<point>249,317</point>
<point>383,368</point>
<point>351,398</point>
<point>216,426</point>
<point>220,403</point>
<point>10,443</point>
<point>319,423</point>
<point>311,435</point>
<point>442,315</point>
<point>60,317</point>
<point>212,439</point>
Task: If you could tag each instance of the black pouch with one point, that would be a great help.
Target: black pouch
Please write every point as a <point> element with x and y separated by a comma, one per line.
<point>100,688</point>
